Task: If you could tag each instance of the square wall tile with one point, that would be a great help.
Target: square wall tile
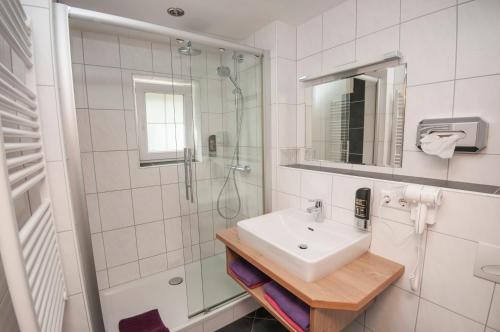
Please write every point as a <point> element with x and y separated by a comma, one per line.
<point>286,89</point>
<point>152,265</point>
<point>265,38</point>
<point>284,201</point>
<point>375,15</point>
<point>89,181</point>
<point>175,258</point>
<point>414,8</point>
<point>309,67</point>
<point>76,46</point>
<point>433,318</point>
<point>116,209</point>
<point>206,226</point>
<point>288,180</point>
<point>142,176</point>
<point>339,24</point>
<point>309,37</point>
<point>426,102</point>
<point>287,126</point>
<point>120,246</point>
<point>479,97</point>
<point>286,40</point>
<point>316,185</point>
<point>101,49</point>
<point>337,56</point>
<point>108,130</point>
<point>84,136</point>
<point>136,54</point>
<point>151,239</point>
<point>478,49</point>
<point>98,250</point>
<point>456,217</point>
<point>417,163</point>
<point>169,175</point>
<point>482,164</point>
<point>123,273</point>
<point>79,86</point>
<point>171,204</point>
<point>102,279</point>
<point>344,190</point>
<point>162,59</point>
<point>396,242</point>
<point>436,61</point>
<point>130,128</point>
<point>394,311</point>
<point>104,87</point>
<point>69,260</point>
<point>448,276</point>
<point>111,169</point>
<point>173,234</point>
<point>147,204</point>
<point>93,213</point>
<point>378,43</point>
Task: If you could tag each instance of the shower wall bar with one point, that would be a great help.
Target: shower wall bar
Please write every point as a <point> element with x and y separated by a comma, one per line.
<point>122,22</point>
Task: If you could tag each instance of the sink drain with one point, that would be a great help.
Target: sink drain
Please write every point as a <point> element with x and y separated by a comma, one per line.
<point>175,281</point>
<point>302,246</point>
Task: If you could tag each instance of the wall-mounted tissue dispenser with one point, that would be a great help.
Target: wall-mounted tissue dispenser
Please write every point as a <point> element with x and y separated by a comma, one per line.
<point>473,132</point>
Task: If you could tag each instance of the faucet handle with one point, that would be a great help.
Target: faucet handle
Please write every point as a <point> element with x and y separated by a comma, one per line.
<point>317,202</point>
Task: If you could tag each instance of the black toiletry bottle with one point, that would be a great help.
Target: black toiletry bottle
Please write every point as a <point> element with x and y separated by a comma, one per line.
<point>362,207</point>
<point>212,146</point>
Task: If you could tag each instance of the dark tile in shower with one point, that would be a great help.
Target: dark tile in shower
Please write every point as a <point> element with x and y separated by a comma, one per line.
<point>262,313</point>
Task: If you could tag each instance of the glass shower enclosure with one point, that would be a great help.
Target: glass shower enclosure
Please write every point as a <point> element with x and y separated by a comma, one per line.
<point>176,126</point>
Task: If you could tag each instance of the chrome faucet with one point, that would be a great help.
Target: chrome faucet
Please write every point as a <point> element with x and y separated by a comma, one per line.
<point>316,210</point>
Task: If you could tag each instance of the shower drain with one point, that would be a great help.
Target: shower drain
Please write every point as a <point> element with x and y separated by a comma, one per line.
<point>303,246</point>
<point>175,281</point>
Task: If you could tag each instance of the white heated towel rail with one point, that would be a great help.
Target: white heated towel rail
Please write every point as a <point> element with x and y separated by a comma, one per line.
<point>29,248</point>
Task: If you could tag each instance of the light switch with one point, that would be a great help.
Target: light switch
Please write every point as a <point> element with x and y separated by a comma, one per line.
<point>487,263</point>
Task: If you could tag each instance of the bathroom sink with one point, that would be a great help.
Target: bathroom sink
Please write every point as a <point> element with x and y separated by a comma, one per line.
<point>310,250</point>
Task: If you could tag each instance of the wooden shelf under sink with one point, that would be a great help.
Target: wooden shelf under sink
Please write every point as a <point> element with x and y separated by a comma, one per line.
<point>335,300</point>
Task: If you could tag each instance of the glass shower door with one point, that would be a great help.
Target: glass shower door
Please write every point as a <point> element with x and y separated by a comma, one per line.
<point>226,165</point>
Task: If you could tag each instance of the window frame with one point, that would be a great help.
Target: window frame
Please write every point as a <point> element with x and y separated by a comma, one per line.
<point>161,85</point>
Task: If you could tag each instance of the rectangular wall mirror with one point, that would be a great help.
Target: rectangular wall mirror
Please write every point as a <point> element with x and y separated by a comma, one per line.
<point>357,119</point>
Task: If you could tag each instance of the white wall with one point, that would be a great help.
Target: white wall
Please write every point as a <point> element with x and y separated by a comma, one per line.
<point>40,12</point>
<point>452,71</point>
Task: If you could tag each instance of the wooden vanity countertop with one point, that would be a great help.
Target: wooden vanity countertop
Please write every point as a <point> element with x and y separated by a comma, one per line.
<point>351,287</point>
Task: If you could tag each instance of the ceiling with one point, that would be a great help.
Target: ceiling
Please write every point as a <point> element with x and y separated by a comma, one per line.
<point>232,19</point>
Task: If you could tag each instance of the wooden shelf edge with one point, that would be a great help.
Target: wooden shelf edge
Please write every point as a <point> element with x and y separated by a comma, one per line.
<point>225,235</point>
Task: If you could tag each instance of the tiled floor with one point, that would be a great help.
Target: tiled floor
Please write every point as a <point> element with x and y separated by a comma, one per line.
<point>257,321</point>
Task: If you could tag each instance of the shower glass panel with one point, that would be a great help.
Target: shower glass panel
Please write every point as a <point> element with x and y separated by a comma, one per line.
<point>141,113</point>
<point>225,139</point>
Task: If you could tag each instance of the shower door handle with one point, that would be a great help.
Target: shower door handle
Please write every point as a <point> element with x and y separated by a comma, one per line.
<point>188,174</point>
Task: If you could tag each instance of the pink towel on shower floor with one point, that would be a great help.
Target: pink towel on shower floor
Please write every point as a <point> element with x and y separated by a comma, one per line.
<point>146,322</point>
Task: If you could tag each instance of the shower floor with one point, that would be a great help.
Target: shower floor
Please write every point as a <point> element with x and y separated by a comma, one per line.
<point>208,284</point>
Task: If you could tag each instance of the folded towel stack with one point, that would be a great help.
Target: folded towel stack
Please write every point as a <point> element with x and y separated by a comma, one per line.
<point>289,306</point>
<point>247,273</point>
<point>146,322</point>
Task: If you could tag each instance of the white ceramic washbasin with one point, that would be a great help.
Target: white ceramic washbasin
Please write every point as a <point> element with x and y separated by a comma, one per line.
<point>280,235</point>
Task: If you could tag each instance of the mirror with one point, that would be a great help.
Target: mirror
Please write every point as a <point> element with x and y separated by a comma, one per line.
<point>357,119</point>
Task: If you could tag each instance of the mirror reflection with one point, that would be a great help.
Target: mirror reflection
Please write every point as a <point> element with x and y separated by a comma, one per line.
<point>358,119</point>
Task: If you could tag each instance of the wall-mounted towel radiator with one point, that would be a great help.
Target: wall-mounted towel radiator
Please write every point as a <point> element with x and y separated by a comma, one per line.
<point>28,246</point>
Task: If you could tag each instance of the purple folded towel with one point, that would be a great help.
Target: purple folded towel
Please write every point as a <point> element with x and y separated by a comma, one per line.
<point>291,305</point>
<point>146,322</point>
<point>247,273</point>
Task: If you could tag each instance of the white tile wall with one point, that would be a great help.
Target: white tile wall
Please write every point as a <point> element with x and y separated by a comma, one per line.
<point>108,130</point>
<point>112,171</point>
<point>147,204</point>
<point>376,15</point>
<point>116,209</point>
<point>151,239</point>
<point>101,49</point>
<point>339,24</point>
<point>120,246</point>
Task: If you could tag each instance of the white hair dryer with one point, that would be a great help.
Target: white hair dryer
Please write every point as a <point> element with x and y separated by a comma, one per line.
<point>421,199</point>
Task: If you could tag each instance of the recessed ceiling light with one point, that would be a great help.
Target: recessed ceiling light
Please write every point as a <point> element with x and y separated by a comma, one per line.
<point>175,12</point>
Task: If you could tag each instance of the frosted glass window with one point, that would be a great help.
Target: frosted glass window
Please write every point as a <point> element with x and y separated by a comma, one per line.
<point>164,122</point>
